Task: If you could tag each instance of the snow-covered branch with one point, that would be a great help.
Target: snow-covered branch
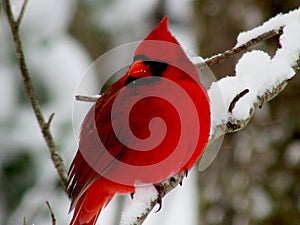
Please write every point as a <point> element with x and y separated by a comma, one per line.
<point>259,78</point>
<point>264,76</point>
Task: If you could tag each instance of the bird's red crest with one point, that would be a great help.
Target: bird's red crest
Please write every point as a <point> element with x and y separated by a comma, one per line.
<point>161,33</point>
<point>161,45</point>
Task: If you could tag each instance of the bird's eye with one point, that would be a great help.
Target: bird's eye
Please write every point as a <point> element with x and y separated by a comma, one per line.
<point>157,67</point>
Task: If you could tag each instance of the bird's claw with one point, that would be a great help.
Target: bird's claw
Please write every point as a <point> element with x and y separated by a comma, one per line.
<point>160,192</point>
<point>186,172</point>
<point>131,195</point>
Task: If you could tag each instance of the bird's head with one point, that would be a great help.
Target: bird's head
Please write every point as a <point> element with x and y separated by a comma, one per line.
<point>157,53</point>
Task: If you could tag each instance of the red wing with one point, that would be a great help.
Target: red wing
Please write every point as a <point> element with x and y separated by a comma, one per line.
<point>90,158</point>
<point>100,150</point>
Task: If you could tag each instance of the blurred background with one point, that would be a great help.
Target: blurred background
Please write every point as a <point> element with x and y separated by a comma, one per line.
<point>255,178</point>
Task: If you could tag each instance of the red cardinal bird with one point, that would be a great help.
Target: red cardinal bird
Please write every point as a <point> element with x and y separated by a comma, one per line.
<point>151,124</point>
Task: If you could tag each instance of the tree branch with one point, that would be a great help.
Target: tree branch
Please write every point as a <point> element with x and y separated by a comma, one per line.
<point>44,126</point>
<point>241,48</point>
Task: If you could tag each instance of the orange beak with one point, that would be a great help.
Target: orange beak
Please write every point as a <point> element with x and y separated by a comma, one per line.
<point>139,69</point>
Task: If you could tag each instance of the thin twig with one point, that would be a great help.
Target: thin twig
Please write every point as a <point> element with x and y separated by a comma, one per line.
<point>85,98</point>
<point>51,213</point>
<point>22,12</point>
<point>44,126</point>
<point>236,99</point>
<point>47,125</point>
<point>231,52</point>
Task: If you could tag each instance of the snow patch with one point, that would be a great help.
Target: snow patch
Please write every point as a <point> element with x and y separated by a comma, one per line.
<point>142,198</point>
<point>273,24</point>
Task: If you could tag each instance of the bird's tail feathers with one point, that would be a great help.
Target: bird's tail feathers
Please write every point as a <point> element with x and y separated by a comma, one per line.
<point>89,207</point>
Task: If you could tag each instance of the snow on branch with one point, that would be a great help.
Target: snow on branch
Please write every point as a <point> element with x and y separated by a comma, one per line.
<point>259,78</point>
<point>264,76</point>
